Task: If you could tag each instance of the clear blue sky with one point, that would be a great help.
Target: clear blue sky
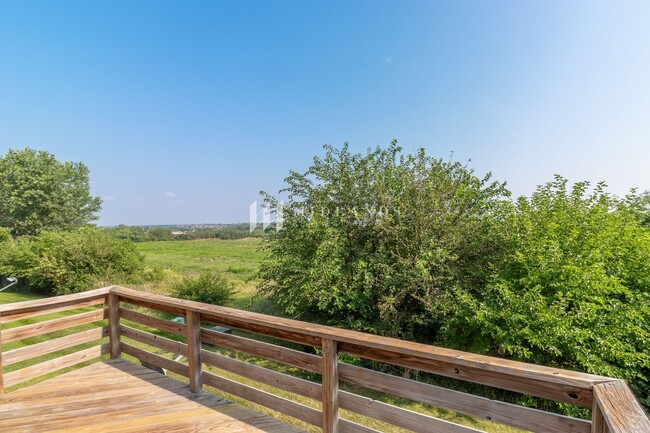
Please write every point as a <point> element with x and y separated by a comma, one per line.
<point>185,110</point>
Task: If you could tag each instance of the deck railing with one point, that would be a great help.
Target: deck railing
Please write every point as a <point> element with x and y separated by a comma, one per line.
<point>117,325</point>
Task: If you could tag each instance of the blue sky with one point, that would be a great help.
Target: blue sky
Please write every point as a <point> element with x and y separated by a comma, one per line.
<point>183,111</point>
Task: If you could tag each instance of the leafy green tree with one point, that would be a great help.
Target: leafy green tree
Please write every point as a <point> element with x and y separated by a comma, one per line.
<point>377,241</point>
<point>573,290</point>
<point>39,193</point>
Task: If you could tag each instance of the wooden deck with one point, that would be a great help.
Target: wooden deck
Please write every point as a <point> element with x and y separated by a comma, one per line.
<point>119,396</point>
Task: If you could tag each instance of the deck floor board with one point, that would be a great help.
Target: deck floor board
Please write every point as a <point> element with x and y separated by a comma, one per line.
<point>119,396</point>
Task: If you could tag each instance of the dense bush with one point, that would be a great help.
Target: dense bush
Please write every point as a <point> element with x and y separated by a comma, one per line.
<point>377,242</point>
<point>573,290</point>
<point>209,288</point>
<point>69,262</point>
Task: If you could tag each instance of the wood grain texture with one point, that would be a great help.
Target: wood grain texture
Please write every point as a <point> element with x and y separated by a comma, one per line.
<point>467,404</point>
<point>619,408</point>
<point>153,322</point>
<point>9,311</point>
<point>47,326</point>
<point>2,381</point>
<point>114,324</point>
<point>400,417</point>
<point>118,396</point>
<point>54,345</point>
<point>262,349</point>
<point>330,384</point>
<point>264,375</point>
<point>194,350</point>
<point>157,360</point>
<point>50,310</point>
<point>43,368</point>
<point>347,426</point>
<point>288,407</point>
<point>173,346</point>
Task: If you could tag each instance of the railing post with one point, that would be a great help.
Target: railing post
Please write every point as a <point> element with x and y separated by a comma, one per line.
<point>2,385</point>
<point>114,325</point>
<point>330,386</point>
<point>193,321</point>
<point>597,419</point>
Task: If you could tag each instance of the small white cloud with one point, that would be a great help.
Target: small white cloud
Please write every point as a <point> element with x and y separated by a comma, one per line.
<point>388,59</point>
<point>170,194</point>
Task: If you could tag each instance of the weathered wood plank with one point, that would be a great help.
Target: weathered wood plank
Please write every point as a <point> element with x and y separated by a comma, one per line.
<point>2,381</point>
<point>296,410</point>
<point>114,324</point>
<point>467,404</point>
<point>264,375</point>
<point>620,410</point>
<point>157,360</point>
<point>43,368</point>
<point>262,349</point>
<point>194,350</point>
<point>154,322</point>
<point>347,426</point>
<point>547,382</point>
<point>398,416</point>
<point>118,396</point>
<point>46,305</point>
<point>54,345</point>
<point>330,384</point>
<point>47,326</point>
<point>173,346</point>
<point>66,307</point>
<point>492,371</point>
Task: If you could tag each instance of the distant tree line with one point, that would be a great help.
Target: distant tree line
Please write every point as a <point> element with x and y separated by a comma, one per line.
<point>160,233</point>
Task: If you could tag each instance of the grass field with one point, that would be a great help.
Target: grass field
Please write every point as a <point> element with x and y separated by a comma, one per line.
<point>237,259</point>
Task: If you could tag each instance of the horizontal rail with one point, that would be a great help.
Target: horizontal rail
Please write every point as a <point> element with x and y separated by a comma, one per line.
<point>153,322</point>
<point>261,349</point>
<point>288,407</point>
<point>156,360</point>
<point>400,417</point>
<point>263,375</point>
<point>43,368</point>
<point>45,327</point>
<point>24,308</point>
<point>167,344</point>
<point>54,345</point>
<point>503,413</point>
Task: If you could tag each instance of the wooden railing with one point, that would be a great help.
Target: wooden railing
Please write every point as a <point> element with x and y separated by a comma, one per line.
<point>614,408</point>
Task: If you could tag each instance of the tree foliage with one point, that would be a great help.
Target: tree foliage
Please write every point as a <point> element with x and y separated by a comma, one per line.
<point>39,193</point>
<point>67,262</point>
<point>377,241</point>
<point>417,247</point>
<point>573,290</point>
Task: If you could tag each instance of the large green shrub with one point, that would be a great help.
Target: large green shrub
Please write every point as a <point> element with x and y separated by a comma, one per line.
<point>209,288</point>
<point>69,262</point>
<point>377,241</point>
<point>573,290</point>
